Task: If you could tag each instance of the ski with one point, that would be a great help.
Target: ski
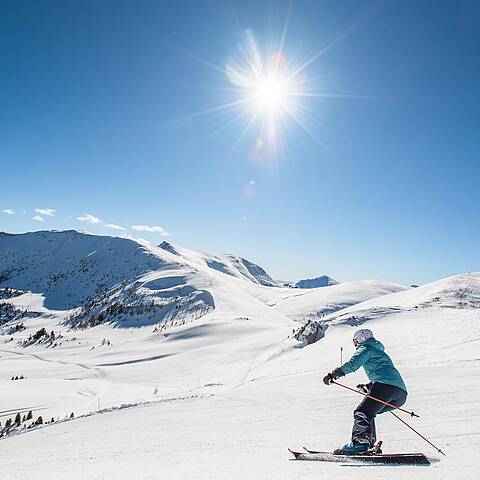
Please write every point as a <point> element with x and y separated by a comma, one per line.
<point>385,459</point>
<point>375,450</point>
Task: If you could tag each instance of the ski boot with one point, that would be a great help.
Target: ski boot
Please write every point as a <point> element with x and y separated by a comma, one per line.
<point>356,447</point>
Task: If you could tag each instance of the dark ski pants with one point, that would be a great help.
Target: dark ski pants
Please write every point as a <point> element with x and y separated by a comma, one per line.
<point>364,415</point>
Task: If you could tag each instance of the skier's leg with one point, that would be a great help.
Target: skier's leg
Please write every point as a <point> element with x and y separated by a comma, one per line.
<point>364,420</point>
<point>388,393</point>
<point>364,415</point>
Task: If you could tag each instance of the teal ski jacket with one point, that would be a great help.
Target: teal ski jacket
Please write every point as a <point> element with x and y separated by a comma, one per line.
<point>377,364</point>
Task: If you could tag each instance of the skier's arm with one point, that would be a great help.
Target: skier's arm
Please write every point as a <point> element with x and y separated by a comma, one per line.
<point>358,359</point>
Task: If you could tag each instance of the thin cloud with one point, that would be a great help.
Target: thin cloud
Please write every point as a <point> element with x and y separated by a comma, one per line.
<point>114,227</point>
<point>8,211</point>
<point>46,212</point>
<point>89,219</point>
<point>38,218</point>
<point>151,229</point>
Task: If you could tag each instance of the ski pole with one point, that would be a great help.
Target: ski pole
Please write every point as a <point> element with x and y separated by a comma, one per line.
<point>419,434</point>
<point>412,414</point>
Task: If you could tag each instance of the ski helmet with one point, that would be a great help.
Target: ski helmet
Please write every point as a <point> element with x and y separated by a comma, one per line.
<point>362,335</point>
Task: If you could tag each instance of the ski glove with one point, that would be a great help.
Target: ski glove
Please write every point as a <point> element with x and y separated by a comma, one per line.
<point>337,373</point>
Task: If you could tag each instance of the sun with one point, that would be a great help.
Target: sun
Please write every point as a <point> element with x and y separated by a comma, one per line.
<point>269,94</point>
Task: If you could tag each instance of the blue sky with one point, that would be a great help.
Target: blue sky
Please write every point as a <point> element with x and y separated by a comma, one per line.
<point>99,104</point>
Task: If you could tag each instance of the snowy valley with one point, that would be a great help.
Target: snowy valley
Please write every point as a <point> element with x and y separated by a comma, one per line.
<point>163,362</point>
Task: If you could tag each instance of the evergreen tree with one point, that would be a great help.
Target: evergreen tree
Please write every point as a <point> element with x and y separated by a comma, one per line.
<point>18,419</point>
<point>29,415</point>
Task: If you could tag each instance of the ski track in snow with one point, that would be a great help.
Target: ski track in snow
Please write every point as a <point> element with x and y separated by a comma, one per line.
<point>101,374</point>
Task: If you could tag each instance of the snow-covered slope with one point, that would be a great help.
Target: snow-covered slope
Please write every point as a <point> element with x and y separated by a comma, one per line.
<point>270,402</point>
<point>309,304</point>
<point>459,291</point>
<point>239,267</point>
<point>222,395</point>
<point>226,263</point>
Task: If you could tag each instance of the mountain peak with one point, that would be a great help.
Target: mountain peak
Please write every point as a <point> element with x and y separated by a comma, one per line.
<point>321,281</point>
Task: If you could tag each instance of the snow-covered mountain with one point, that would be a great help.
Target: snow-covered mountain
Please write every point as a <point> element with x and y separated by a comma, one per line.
<point>186,347</point>
<point>71,267</point>
<point>102,279</point>
<point>226,263</point>
<point>118,280</point>
<point>317,282</point>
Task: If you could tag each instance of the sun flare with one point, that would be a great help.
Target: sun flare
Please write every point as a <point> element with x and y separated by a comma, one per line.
<point>269,94</point>
<point>270,91</point>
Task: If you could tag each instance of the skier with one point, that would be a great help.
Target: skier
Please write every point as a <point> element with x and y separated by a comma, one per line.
<point>385,384</point>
